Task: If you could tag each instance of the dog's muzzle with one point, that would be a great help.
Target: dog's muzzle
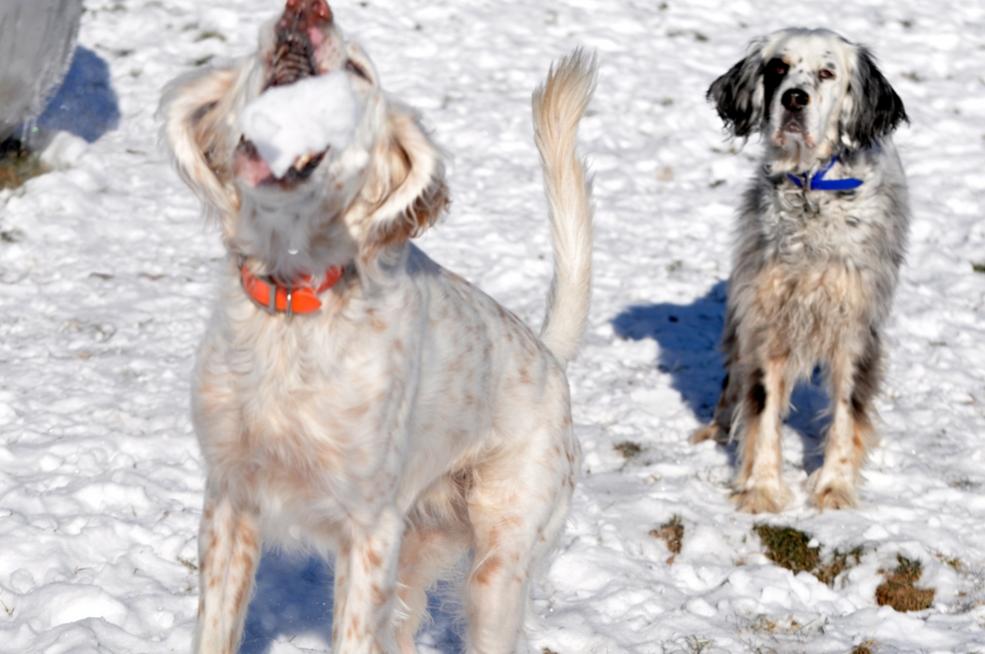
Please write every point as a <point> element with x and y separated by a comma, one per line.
<point>298,33</point>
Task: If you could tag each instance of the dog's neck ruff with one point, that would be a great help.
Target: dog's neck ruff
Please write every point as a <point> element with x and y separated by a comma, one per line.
<point>817,182</point>
<point>298,298</point>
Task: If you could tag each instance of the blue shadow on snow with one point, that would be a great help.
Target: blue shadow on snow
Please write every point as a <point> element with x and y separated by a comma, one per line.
<point>688,337</point>
<point>293,596</point>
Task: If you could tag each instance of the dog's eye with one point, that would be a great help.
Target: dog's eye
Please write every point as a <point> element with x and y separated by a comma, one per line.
<point>826,73</point>
<point>777,67</point>
<point>357,70</point>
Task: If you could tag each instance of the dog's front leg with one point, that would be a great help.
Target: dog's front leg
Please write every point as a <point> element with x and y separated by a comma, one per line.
<point>759,485</point>
<point>229,549</point>
<point>852,383</point>
<point>365,572</point>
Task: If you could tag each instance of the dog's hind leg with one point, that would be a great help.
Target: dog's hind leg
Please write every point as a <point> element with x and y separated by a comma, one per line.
<point>517,510</point>
<point>229,550</point>
<point>424,554</point>
<point>721,423</point>
<point>853,381</point>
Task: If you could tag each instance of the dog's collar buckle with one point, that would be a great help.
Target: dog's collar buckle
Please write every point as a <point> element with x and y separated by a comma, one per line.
<point>817,182</point>
<point>295,299</point>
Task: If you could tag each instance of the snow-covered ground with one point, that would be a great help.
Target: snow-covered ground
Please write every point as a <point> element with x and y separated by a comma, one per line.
<point>106,275</point>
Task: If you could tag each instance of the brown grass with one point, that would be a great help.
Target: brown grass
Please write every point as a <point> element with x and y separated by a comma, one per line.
<point>952,562</point>
<point>899,589</point>
<point>865,647</point>
<point>672,533</point>
<point>18,165</point>
<point>628,449</point>
<point>839,562</point>
<point>790,548</point>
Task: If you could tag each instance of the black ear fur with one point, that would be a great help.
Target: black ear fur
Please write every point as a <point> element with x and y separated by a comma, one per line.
<point>877,109</point>
<point>734,95</point>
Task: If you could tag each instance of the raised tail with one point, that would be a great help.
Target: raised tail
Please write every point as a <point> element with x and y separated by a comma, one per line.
<point>558,106</point>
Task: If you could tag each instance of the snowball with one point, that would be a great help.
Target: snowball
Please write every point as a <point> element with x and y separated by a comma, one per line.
<point>303,118</point>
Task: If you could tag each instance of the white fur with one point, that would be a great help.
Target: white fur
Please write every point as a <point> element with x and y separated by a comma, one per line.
<point>413,419</point>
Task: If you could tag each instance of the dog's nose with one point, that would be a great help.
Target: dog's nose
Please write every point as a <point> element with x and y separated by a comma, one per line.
<point>795,99</point>
<point>300,16</point>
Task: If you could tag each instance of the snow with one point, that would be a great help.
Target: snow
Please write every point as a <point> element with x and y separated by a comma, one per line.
<point>303,118</point>
<point>106,280</point>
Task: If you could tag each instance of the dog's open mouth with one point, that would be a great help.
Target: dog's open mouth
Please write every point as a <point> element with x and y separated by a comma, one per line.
<point>270,150</point>
<point>793,127</point>
<point>258,172</point>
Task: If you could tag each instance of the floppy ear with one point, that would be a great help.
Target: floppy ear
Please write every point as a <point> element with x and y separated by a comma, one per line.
<point>738,94</point>
<point>407,184</point>
<point>195,108</point>
<point>873,109</point>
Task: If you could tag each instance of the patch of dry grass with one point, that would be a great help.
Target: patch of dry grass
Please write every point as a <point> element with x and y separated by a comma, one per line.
<point>790,548</point>
<point>899,589</point>
<point>865,647</point>
<point>18,165</point>
<point>672,533</point>
<point>628,449</point>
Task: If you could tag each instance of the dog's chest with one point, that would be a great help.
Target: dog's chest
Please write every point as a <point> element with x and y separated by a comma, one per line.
<point>313,416</point>
<point>815,227</point>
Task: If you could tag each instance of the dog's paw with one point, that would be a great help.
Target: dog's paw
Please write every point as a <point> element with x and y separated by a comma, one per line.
<point>710,432</point>
<point>762,498</point>
<point>829,492</point>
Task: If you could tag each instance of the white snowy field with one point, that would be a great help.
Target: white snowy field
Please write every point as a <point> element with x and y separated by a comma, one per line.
<point>106,270</point>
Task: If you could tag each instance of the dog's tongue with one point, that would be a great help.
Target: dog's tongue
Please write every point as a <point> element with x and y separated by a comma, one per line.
<point>298,33</point>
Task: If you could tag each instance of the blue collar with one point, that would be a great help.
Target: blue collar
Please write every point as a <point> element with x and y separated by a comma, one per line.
<point>818,183</point>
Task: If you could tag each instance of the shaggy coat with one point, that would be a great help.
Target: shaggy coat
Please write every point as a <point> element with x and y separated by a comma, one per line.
<point>814,270</point>
<point>411,420</point>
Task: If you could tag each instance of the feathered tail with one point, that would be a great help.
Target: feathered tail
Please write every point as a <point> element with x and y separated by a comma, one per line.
<point>558,106</point>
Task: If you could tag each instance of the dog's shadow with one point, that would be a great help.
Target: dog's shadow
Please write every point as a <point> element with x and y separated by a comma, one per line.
<point>688,338</point>
<point>293,599</point>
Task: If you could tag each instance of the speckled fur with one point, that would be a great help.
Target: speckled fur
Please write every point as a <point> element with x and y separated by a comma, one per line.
<point>814,271</point>
<point>412,419</point>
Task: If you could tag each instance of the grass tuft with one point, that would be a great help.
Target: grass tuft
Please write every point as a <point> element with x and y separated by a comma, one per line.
<point>899,589</point>
<point>952,562</point>
<point>865,647</point>
<point>790,548</point>
<point>17,165</point>
<point>840,562</point>
<point>628,449</point>
<point>672,533</point>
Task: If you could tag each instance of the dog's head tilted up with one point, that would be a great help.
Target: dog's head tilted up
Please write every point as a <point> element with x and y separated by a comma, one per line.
<point>811,93</point>
<point>336,198</point>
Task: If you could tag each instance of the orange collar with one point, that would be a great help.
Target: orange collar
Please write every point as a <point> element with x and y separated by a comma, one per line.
<point>290,300</point>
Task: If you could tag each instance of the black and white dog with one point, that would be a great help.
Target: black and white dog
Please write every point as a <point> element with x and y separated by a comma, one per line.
<point>822,233</point>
